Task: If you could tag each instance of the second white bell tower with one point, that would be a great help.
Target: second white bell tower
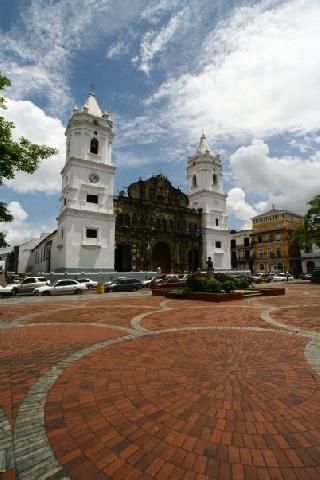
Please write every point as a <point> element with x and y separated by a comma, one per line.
<point>86,227</point>
<point>205,192</point>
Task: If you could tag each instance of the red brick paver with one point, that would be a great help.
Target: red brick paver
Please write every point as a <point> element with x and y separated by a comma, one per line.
<point>189,404</point>
<point>214,316</point>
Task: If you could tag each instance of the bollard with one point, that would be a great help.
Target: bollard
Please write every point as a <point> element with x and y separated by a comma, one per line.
<point>100,288</point>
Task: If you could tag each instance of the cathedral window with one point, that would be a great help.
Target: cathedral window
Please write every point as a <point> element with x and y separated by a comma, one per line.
<point>126,220</point>
<point>92,198</point>
<point>92,233</point>
<point>194,180</point>
<point>94,146</point>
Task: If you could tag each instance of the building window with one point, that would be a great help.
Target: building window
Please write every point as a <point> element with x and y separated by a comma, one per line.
<point>233,243</point>
<point>61,232</point>
<point>92,198</point>
<point>214,179</point>
<point>217,222</point>
<point>218,244</point>
<point>278,253</point>
<point>247,254</point>
<point>94,146</point>
<point>92,233</point>
<point>194,181</point>
<point>246,241</point>
<point>259,239</point>
<point>261,266</point>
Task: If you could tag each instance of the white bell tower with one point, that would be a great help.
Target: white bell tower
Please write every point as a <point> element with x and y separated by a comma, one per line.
<point>86,227</point>
<point>205,192</point>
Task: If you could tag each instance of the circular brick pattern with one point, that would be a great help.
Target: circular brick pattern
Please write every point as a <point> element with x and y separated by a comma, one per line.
<point>213,316</point>
<point>225,405</point>
<point>303,316</point>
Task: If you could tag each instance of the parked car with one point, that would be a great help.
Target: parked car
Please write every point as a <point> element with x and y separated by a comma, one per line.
<point>147,282</point>
<point>306,276</point>
<point>260,278</point>
<point>89,283</point>
<point>61,287</point>
<point>28,284</point>
<point>123,285</point>
<point>171,281</point>
<point>315,276</point>
<point>282,277</point>
<point>7,291</point>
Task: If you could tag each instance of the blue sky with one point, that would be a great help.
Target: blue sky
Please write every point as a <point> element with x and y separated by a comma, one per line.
<point>247,73</point>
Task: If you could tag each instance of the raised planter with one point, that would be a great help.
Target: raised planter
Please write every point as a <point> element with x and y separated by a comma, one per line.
<point>216,297</point>
<point>159,292</point>
<point>271,291</point>
<point>206,296</point>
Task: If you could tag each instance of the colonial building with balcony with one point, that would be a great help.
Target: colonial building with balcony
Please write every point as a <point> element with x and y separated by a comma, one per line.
<point>241,250</point>
<point>273,248</point>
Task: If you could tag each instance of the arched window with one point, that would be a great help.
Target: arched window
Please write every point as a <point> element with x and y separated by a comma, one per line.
<point>194,181</point>
<point>94,145</point>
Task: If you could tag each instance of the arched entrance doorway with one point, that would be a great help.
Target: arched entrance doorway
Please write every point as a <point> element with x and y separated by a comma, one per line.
<point>161,257</point>
<point>122,259</point>
<point>193,260</point>
<point>310,266</point>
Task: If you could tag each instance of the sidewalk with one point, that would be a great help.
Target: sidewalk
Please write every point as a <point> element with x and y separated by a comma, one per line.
<point>134,386</point>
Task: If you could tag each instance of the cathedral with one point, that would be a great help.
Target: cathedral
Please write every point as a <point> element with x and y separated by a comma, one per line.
<point>154,225</point>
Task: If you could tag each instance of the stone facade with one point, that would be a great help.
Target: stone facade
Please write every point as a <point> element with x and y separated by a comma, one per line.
<point>156,228</point>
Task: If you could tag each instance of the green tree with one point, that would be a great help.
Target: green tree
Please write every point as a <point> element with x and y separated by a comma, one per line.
<point>312,221</point>
<point>3,242</point>
<point>16,156</point>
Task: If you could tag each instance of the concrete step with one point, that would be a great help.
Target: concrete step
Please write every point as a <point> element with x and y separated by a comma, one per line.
<point>252,294</point>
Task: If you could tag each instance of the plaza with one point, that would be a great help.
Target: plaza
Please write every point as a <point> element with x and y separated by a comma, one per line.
<point>132,386</point>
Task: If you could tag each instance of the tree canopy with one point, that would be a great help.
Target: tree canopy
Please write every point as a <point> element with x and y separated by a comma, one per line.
<point>16,156</point>
<point>312,221</point>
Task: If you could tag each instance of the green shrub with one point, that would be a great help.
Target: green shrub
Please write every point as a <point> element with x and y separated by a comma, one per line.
<point>196,283</point>
<point>229,285</point>
<point>242,282</point>
<point>213,285</point>
<point>221,277</point>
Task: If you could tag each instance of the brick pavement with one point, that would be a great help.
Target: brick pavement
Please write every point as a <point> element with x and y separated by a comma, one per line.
<point>212,392</point>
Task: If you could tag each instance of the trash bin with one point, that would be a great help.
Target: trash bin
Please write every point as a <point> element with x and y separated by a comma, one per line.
<point>100,288</point>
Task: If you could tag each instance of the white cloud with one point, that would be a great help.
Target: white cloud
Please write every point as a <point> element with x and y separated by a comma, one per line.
<point>156,41</point>
<point>19,230</point>
<point>17,211</point>
<point>287,182</point>
<point>36,54</point>
<point>239,207</point>
<point>32,123</point>
<point>258,74</point>
<point>118,49</point>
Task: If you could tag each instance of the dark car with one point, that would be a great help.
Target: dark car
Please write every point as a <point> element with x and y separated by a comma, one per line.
<point>123,285</point>
<point>315,276</point>
<point>171,281</point>
<point>306,276</point>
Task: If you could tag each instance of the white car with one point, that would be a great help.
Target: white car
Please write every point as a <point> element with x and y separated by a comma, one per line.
<point>7,291</point>
<point>282,277</point>
<point>61,287</point>
<point>89,283</point>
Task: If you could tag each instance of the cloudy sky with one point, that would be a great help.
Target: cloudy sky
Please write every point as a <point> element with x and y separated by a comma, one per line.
<point>245,72</point>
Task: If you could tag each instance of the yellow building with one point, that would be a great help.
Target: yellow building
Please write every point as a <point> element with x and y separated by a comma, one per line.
<point>272,247</point>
